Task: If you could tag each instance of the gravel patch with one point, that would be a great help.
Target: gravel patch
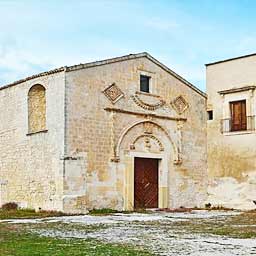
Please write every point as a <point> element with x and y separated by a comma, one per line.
<point>159,232</point>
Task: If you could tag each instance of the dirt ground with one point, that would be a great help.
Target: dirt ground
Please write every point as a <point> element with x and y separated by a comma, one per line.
<point>218,233</point>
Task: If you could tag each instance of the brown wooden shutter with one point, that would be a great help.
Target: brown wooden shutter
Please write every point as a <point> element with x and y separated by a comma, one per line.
<point>238,115</point>
<point>243,115</point>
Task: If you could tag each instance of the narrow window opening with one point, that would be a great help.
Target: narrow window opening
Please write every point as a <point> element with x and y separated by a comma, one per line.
<point>144,83</point>
<point>210,115</point>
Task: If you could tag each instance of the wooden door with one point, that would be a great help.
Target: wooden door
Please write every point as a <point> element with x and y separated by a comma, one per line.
<point>145,183</point>
<point>238,115</point>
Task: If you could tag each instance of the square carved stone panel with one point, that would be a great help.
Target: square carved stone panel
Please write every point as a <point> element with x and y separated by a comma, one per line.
<point>179,104</point>
<point>113,93</point>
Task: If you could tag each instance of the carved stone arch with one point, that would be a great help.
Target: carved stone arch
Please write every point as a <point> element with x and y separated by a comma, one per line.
<point>36,87</point>
<point>36,108</point>
<point>127,129</point>
<point>151,136</point>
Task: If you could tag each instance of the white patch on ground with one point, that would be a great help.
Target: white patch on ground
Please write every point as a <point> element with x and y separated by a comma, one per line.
<point>156,232</point>
<point>120,217</point>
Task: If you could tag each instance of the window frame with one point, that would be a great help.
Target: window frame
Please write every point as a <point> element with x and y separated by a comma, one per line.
<point>149,83</point>
<point>242,125</point>
<point>237,94</point>
<point>209,115</point>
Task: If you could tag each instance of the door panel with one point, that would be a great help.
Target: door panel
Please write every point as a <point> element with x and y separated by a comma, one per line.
<point>145,183</point>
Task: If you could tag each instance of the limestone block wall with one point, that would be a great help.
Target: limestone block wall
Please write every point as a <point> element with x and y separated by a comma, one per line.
<point>31,169</point>
<point>231,156</point>
<point>104,133</point>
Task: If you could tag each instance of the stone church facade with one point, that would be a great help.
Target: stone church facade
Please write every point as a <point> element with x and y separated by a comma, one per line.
<point>122,133</point>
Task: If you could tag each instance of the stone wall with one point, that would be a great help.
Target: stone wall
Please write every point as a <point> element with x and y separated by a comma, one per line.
<point>97,121</point>
<point>108,124</point>
<point>231,155</point>
<point>30,163</point>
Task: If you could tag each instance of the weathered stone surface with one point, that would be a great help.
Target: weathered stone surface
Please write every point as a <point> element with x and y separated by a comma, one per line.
<point>31,166</point>
<point>36,109</point>
<point>86,158</point>
<point>111,139</point>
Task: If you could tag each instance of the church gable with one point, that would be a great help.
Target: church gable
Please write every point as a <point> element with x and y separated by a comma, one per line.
<point>127,108</point>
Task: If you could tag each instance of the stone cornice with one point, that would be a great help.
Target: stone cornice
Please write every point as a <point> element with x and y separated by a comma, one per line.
<point>118,110</point>
<point>240,89</point>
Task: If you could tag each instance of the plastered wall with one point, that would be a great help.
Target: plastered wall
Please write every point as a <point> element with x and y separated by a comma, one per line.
<point>231,156</point>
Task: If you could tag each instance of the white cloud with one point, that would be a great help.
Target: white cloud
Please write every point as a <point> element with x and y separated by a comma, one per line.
<point>15,62</point>
<point>19,60</point>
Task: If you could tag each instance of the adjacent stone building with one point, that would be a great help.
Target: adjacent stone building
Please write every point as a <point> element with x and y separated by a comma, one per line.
<point>121,133</point>
<point>231,132</point>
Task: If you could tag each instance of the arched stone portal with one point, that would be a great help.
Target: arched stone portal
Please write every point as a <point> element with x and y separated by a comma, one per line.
<point>146,139</point>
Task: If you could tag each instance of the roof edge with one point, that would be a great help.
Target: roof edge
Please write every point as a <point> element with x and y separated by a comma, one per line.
<point>193,87</point>
<point>76,67</point>
<point>105,62</point>
<point>235,58</point>
<point>50,72</point>
<point>239,89</point>
<point>135,56</point>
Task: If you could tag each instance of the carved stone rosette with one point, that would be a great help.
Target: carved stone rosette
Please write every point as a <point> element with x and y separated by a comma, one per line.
<point>113,93</point>
<point>179,104</point>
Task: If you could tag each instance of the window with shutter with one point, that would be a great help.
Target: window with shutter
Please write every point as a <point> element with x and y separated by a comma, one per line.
<point>238,115</point>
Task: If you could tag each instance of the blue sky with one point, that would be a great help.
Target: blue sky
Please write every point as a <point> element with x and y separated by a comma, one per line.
<point>38,35</point>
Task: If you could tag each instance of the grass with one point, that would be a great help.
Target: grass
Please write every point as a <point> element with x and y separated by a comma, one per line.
<point>23,239</point>
<point>28,213</point>
<point>104,211</point>
<point>238,226</point>
<point>107,211</point>
<point>17,242</point>
<point>32,214</point>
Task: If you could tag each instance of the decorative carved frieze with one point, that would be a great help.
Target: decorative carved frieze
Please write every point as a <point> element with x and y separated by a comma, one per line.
<point>145,105</point>
<point>147,138</point>
<point>113,93</point>
<point>177,148</point>
<point>148,128</point>
<point>179,104</point>
<point>115,159</point>
<point>178,161</point>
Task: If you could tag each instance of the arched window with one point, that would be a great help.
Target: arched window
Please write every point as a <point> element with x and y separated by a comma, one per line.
<point>36,109</point>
